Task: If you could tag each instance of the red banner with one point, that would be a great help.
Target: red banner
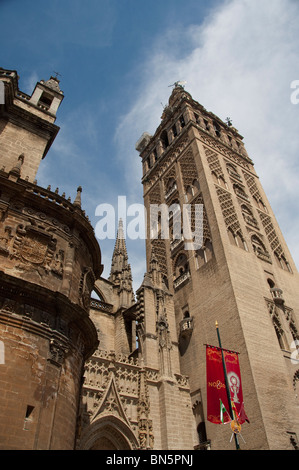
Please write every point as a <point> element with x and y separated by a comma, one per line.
<point>216,389</point>
<point>234,378</point>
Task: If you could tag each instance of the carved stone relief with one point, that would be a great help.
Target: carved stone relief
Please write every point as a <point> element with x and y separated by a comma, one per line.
<point>35,249</point>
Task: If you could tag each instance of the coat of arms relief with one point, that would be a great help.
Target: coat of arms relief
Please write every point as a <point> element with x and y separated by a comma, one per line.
<point>36,249</point>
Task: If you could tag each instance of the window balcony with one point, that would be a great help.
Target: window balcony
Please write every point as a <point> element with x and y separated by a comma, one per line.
<point>277,295</point>
<point>181,279</point>
<point>186,327</point>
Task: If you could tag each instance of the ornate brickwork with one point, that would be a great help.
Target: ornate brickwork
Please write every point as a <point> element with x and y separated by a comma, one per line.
<point>188,168</point>
<point>160,252</point>
<point>169,156</point>
<point>204,223</point>
<point>252,186</point>
<point>243,161</point>
<point>271,234</point>
<point>169,181</point>
<point>155,195</point>
<point>214,163</point>
<point>228,211</point>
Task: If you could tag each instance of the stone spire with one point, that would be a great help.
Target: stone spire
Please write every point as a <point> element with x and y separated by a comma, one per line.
<point>120,256</point>
<point>77,201</point>
<point>120,273</point>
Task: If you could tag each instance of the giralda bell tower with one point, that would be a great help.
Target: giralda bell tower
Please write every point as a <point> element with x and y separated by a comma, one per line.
<point>242,276</point>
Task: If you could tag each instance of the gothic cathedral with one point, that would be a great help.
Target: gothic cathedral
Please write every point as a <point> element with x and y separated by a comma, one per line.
<point>124,370</point>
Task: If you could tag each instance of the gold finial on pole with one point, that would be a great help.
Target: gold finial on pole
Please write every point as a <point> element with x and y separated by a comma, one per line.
<point>216,324</point>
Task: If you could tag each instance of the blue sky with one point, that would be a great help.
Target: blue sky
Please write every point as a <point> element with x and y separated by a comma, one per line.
<point>117,59</point>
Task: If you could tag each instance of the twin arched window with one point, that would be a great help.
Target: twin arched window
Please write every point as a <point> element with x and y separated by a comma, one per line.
<point>192,189</point>
<point>181,265</point>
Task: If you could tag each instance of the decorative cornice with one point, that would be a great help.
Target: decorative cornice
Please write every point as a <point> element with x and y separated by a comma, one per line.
<point>46,313</point>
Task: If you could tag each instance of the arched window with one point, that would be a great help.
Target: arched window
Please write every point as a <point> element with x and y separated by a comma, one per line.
<point>271,283</point>
<point>45,100</point>
<point>181,265</point>
<point>231,236</point>
<point>148,163</point>
<point>217,129</point>
<point>246,210</point>
<point>248,216</point>
<point>219,179</point>
<point>164,139</point>
<point>282,262</point>
<point>285,265</point>
<point>189,193</point>
<point>240,242</point>
<point>260,249</point>
<point>182,121</point>
<point>204,254</point>
<point>240,192</point>
<point>236,238</point>
<point>260,204</point>
<point>196,186</point>
<point>97,294</point>
<point>175,231</point>
<point>170,188</point>
<point>222,182</point>
<point>279,331</point>
<point>170,184</point>
<point>215,177</point>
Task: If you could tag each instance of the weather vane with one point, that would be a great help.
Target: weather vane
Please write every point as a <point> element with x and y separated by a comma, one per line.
<point>179,83</point>
<point>57,73</point>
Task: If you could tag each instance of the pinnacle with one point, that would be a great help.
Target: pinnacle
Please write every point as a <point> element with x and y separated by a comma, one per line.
<point>120,255</point>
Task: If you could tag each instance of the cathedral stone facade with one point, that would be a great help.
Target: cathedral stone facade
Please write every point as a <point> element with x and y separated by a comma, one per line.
<point>126,371</point>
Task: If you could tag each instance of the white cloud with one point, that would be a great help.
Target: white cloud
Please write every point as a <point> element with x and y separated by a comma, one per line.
<point>30,82</point>
<point>239,63</point>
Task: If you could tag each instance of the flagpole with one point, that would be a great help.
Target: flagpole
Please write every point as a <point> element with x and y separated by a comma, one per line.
<point>226,385</point>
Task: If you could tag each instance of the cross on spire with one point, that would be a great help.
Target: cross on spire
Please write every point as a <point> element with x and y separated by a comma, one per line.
<point>56,74</point>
